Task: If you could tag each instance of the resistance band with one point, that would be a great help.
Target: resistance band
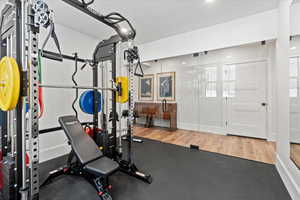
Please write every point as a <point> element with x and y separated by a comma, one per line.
<point>41,102</point>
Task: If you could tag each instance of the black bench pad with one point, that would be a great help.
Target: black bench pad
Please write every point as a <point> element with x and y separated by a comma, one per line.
<point>85,148</point>
<point>103,167</point>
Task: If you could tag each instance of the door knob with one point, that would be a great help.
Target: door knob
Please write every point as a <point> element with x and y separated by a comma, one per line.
<point>264,104</point>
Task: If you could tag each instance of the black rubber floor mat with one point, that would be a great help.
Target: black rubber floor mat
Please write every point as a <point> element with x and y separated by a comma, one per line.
<point>178,174</point>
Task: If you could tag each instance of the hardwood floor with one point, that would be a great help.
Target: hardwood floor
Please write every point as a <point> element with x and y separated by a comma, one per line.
<point>295,154</point>
<point>248,148</point>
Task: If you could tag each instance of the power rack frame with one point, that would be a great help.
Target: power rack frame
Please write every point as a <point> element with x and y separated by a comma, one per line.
<point>19,39</point>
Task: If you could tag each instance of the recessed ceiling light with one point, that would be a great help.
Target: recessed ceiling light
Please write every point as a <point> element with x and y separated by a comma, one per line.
<point>293,48</point>
<point>183,63</point>
<point>124,30</point>
<point>209,1</point>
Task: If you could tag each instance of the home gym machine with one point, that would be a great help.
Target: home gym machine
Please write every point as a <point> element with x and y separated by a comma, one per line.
<point>21,21</point>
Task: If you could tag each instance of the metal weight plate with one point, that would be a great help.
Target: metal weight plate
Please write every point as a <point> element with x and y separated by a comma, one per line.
<point>86,102</point>
<point>123,80</point>
<point>9,83</point>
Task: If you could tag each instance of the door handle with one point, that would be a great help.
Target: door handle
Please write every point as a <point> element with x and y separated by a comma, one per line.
<point>264,104</point>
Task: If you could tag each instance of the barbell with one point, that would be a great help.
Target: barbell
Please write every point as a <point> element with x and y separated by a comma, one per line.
<point>10,85</point>
<point>121,89</point>
<point>75,87</point>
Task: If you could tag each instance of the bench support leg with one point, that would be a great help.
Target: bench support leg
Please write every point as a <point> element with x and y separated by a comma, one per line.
<point>132,170</point>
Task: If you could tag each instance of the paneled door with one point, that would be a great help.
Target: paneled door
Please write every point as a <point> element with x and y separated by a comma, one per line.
<point>244,96</point>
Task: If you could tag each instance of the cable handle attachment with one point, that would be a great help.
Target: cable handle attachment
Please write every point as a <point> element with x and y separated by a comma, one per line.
<point>44,17</point>
<point>132,55</point>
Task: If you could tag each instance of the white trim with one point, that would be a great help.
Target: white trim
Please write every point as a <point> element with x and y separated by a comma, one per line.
<point>272,137</point>
<point>188,126</point>
<point>192,127</point>
<point>54,152</point>
<point>288,179</point>
<point>202,128</point>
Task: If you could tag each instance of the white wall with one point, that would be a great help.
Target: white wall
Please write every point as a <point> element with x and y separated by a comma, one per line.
<point>295,16</point>
<point>262,26</point>
<point>59,102</point>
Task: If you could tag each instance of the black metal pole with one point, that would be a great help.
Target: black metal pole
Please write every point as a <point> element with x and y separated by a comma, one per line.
<point>54,129</point>
<point>57,57</point>
<point>96,103</point>
<point>3,115</point>
<point>114,101</point>
<point>3,132</point>
<point>19,145</point>
<point>129,134</point>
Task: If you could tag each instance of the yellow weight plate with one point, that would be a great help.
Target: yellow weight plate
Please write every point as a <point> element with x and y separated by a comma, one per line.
<point>125,91</point>
<point>9,84</point>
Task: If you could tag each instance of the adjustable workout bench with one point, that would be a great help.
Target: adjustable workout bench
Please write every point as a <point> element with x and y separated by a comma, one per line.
<point>90,162</point>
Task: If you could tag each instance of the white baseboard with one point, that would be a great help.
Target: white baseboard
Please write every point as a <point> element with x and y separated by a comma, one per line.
<point>191,127</point>
<point>272,137</point>
<point>188,126</point>
<point>288,179</point>
<point>54,152</point>
<point>202,128</point>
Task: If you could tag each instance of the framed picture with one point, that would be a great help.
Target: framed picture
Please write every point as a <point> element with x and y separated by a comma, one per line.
<point>146,88</point>
<point>166,86</point>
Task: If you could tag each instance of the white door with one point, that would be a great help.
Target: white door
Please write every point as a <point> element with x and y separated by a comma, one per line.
<point>244,93</point>
<point>294,100</point>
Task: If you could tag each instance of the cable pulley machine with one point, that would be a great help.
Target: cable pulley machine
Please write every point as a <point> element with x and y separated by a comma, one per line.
<point>20,90</point>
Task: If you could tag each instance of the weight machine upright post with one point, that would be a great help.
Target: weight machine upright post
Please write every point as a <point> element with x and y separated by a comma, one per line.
<point>114,99</point>
<point>19,140</point>
<point>33,84</point>
<point>24,191</point>
<point>96,103</point>
<point>129,131</point>
<point>3,115</point>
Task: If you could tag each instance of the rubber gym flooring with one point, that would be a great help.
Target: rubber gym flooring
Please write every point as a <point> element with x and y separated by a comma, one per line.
<point>179,173</point>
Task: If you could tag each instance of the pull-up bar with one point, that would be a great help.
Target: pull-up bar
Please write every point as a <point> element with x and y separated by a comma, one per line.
<point>57,57</point>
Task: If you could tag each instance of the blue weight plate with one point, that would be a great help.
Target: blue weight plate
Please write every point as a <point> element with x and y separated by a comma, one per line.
<point>86,102</point>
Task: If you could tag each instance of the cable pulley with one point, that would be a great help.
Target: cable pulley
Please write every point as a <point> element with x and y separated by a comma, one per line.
<point>42,14</point>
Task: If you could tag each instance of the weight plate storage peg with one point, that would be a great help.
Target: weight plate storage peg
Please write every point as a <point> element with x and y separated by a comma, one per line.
<point>123,82</point>
<point>9,83</point>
